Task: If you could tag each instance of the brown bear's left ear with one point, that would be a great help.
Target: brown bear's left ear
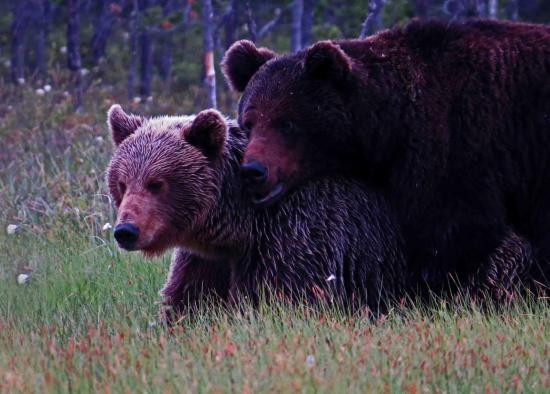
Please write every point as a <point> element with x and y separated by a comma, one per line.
<point>241,61</point>
<point>208,132</point>
<point>326,60</point>
<point>121,124</point>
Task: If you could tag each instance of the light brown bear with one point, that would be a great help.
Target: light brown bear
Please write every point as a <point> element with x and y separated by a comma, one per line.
<point>176,183</point>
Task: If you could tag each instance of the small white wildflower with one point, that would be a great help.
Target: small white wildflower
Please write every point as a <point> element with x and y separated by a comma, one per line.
<point>21,81</point>
<point>150,99</point>
<point>47,88</point>
<point>331,278</point>
<point>107,226</point>
<point>77,211</point>
<point>137,100</point>
<point>310,360</point>
<point>23,278</point>
<point>66,94</point>
<point>12,228</point>
<point>63,49</point>
<point>40,92</point>
<point>99,139</point>
<point>84,72</point>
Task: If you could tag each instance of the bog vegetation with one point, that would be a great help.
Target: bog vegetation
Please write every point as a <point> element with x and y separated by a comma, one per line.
<point>78,315</point>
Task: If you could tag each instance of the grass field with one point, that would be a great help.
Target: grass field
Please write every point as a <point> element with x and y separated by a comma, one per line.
<point>86,319</point>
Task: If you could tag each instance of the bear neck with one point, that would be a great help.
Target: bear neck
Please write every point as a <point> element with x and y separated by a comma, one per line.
<point>226,230</point>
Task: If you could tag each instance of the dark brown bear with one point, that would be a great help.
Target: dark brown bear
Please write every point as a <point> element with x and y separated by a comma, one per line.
<point>176,183</point>
<point>452,121</point>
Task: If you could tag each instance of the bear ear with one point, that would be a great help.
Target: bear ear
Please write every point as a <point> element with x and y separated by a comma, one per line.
<point>121,124</point>
<point>208,132</point>
<point>241,61</point>
<point>326,60</point>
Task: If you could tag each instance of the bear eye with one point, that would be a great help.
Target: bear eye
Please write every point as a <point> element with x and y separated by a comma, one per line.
<point>154,186</point>
<point>248,125</point>
<point>287,127</point>
<point>122,188</point>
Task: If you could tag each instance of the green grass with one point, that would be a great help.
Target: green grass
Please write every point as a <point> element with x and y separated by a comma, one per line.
<point>86,320</point>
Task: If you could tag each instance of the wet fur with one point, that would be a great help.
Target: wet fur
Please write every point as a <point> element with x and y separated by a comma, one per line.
<point>229,249</point>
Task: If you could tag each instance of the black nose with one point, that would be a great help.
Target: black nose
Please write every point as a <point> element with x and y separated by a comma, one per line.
<point>126,235</point>
<point>254,172</point>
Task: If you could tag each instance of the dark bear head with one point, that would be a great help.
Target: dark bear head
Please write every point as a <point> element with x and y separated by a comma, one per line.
<point>163,176</point>
<point>294,109</point>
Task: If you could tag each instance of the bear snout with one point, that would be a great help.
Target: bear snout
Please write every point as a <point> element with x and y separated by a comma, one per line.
<point>126,235</point>
<point>254,173</point>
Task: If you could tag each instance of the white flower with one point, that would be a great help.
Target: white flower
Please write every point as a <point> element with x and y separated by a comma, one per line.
<point>23,278</point>
<point>150,99</point>
<point>21,81</point>
<point>331,278</point>
<point>99,139</point>
<point>47,88</point>
<point>40,92</point>
<point>137,99</point>
<point>63,49</point>
<point>310,360</point>
<point>106,227</point>
<point>84,71</point>
<point>66,94</point>
<point>12,228</point>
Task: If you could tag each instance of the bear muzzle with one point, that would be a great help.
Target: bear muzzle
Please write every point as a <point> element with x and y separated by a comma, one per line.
<point>127,235</point>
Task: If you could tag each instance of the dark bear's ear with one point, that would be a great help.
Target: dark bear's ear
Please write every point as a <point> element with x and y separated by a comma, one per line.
<point>121,124</point>
<point>208,132</point>
<point>326,60</point>
<point>241,61</point>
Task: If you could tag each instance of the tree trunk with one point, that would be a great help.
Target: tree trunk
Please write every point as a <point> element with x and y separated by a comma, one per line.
<point>250,22</point>
<point>18,28</point>
<point>297,12</point>
<point>132,70</point>
<point>210,71</point>
<point>231,23</point>
<point>307,22</point>
<point>42,37</point>
<point>166,49</point>
<point>103,29</point>
<point>493,9</point>
<point>373,21</point>
<point>74,61</point>
<point>146,60</point>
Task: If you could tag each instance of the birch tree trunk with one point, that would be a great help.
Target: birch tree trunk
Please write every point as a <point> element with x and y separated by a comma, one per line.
<point>493,9</point>
<point>373,21</point>
<point>297,12</point>
<point>210,71</point>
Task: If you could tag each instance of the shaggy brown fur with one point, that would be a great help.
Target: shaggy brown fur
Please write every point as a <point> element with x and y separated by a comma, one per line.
<point>453,121</point>
<point>177,180</point>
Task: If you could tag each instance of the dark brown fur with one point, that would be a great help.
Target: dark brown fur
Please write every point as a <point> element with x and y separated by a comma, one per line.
<point>332,240</point>
<point>453,121</point>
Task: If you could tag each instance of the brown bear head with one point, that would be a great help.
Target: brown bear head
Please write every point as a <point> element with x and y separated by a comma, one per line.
<point>293,108</point>
<point>163,176</point>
